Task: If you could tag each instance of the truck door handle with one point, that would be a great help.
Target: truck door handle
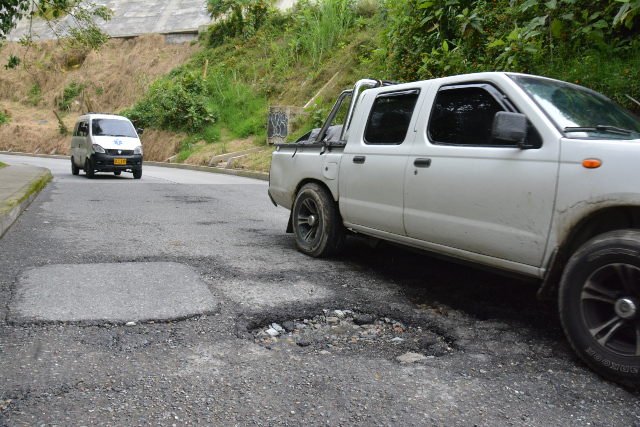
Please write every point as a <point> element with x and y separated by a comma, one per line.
<point>359,159</point>
<point>422,163</point>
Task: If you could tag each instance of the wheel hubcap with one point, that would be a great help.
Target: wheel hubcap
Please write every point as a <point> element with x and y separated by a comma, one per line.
<point>308,220</point>
<point>610,303</point>
<point>626,308</point>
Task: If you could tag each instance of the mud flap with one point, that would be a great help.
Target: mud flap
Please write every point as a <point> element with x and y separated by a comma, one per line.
<point>290,223</point>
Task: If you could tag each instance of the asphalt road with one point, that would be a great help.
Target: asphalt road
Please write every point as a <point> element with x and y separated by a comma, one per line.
<point>153,302</point>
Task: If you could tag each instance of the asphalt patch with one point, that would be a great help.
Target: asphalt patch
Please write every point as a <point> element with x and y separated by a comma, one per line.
<point>119,292</point>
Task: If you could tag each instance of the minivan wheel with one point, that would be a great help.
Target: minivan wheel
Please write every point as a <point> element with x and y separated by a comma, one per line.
<point>88,169</point>
<point>599,303</point>
<point>75,170</point>
<point>137,173</point>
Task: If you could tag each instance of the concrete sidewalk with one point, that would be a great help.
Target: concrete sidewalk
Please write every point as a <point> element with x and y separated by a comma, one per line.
<point>18,188</point>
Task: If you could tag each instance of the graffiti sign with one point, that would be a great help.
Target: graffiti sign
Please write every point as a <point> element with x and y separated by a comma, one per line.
<point>277,124</point>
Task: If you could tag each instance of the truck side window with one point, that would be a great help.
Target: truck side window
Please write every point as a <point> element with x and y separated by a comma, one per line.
<point>463,116</point>
<point>389,118</point>
<point>75,129</point>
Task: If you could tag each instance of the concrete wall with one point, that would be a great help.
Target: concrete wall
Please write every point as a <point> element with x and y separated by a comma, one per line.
<point>180,19</point>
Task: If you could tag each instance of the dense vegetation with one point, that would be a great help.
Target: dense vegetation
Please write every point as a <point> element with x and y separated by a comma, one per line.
<point>259,56</point>
<point>593,43</point>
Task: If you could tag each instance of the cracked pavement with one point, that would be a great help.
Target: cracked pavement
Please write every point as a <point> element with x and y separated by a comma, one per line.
<point>493,354</point>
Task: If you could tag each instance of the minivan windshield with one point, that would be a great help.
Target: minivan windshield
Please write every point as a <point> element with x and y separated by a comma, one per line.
<point>112,127</point>
<point>579,112</point>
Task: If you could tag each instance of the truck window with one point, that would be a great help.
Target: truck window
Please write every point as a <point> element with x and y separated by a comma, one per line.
<point>389,118</point>
<point>463,116</point>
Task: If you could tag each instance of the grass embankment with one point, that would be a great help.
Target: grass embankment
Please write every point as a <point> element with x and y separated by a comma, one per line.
<point>220,97</point>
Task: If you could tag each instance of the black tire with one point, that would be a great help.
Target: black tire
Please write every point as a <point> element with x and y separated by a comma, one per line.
<point>599,303</point>
<point>117,173</point>
<point>88,169</point>
<point>75,170</point>
<point>137,173</point>
<point>317,225</point>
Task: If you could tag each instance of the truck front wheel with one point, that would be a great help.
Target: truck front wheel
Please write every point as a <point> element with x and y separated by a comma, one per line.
<point>317,225</point>
<point>599,304</point>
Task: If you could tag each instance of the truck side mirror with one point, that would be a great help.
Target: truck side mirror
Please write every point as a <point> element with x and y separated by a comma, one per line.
<point>139,130</point>
<point>510,128</point>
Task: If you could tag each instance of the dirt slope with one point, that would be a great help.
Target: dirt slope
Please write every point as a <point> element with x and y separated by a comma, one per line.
<point>113,78</point>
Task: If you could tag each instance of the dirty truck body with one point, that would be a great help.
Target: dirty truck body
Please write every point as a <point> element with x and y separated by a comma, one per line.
<point>520,173</point>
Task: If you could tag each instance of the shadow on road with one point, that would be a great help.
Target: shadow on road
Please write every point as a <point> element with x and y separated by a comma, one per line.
<point>484,295</point>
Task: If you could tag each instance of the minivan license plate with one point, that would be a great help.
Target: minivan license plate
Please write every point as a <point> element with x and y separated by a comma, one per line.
<point>119,161</point>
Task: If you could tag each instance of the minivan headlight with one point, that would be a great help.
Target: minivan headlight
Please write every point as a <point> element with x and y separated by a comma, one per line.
<point>97,148</point>
<point>138,150</point>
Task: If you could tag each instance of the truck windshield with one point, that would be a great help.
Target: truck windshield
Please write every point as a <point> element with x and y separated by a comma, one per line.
<point>111,127</point>
<point>580,112</point>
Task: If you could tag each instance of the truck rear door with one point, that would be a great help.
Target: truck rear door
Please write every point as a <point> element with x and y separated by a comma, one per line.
<point>373,166</point>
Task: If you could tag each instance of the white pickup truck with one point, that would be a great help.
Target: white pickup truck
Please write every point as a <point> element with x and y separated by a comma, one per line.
<point>525,174</point>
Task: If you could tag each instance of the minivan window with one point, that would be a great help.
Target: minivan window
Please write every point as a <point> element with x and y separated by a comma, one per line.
<point>111,127</point>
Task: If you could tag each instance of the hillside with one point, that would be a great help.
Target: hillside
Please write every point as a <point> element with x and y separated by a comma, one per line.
<point>112,78</point>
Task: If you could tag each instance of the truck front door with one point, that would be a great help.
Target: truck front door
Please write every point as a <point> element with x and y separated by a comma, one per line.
<point>465,192</point>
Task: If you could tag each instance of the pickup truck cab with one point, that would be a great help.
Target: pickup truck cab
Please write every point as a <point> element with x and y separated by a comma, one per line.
<point>520,173</point>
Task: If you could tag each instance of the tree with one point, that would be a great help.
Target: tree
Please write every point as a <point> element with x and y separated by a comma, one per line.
<point>242,16</point>
<point>83,32</point>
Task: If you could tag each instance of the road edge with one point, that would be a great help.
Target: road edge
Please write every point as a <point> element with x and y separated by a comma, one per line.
<point>32,188</point>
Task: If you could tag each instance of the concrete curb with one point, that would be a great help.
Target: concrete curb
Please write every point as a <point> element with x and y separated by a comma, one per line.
<point>247,174</point>
<point>9,216</point>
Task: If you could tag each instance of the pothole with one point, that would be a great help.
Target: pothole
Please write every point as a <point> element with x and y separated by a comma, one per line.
<point>352,332</point>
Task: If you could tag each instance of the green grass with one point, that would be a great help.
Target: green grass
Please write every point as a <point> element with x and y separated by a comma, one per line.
<point>33,188</point>
<point>2,165</point>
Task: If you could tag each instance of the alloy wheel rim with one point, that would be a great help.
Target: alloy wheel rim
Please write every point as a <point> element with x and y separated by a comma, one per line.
<point>609,304</point>
<point>308,220</point>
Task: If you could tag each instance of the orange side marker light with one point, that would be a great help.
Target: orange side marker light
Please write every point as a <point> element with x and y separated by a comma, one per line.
<point>591,163</point>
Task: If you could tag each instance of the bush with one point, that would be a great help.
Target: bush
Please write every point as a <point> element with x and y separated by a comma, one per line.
<point>69,93</point>
<point>427,39</point>
<point>177,104</point>
<point>4,118</point>
<point>243,18</point>
<point>35,94</point>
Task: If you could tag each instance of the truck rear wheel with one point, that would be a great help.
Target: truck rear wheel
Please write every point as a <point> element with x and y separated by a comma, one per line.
<point>599,304</point>
<point>317,225</point>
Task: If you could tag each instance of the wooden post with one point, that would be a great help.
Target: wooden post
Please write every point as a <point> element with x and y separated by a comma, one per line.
<point>89,106</point>
<point>206,66</point>
<point>63,127</point>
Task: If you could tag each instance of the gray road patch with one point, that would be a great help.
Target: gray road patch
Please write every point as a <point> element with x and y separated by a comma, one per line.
<point>119,292</point>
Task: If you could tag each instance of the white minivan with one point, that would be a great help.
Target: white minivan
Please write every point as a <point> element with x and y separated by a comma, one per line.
<point>106,143</point>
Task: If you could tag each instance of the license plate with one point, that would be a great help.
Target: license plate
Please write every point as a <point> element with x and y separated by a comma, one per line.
<point>119,161</point>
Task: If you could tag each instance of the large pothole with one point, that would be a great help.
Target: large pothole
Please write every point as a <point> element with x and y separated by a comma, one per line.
<point>348,332</point>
